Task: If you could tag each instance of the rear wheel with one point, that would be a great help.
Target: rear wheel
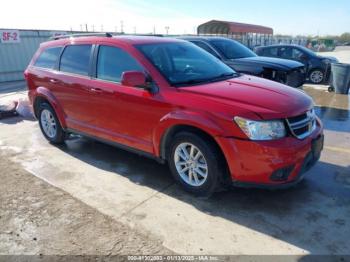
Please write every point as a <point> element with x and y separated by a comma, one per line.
<point>49,124</point>
<point>195,164</point>
<point>316,76</point>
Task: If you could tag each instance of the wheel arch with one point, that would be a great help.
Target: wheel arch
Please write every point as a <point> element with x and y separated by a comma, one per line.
<point>179,128</point>
<point>45,95</point>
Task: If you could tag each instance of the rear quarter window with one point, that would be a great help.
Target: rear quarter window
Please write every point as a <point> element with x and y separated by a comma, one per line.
<point>48,58</point>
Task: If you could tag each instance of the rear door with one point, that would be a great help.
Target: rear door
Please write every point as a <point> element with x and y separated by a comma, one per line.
<point>43,70</point>
<point>72,85</point>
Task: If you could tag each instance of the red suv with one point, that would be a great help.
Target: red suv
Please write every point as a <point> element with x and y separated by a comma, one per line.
<point>170,100</point>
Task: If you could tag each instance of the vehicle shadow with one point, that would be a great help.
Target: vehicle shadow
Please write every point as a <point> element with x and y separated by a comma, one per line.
<point>13,120</point>
<point>299,215</point>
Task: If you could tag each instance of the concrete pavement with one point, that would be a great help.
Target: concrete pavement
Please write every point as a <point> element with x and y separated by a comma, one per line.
<point>310,218</point>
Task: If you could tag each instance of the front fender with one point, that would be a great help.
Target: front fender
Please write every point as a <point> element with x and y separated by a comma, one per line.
<point>45,93</point>
<point>184,118</point>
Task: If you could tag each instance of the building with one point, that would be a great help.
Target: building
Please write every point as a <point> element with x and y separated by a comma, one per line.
<point>248,34</point>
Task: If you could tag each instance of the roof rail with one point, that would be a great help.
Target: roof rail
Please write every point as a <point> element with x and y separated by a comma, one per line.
<point>81,35</point>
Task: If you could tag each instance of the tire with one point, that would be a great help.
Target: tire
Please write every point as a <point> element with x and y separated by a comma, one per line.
<point>317,76</point>
<point>49,121</point>
<point>211,158</point>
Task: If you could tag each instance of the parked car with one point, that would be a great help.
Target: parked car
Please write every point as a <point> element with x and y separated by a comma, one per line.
<point>243,60</point>
<point>317,67</point>
<point>170,100</point>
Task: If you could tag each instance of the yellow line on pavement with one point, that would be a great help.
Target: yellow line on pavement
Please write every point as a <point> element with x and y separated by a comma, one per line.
<point>338,149</point>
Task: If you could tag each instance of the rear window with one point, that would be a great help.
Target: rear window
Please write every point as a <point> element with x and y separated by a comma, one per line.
<point>75,59</point>
<point>48,58</point>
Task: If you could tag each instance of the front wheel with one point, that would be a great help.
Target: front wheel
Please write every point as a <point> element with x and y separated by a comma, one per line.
<point>195,164</point>
<point>316,76</point>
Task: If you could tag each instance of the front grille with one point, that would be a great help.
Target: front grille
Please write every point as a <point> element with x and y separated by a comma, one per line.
<point>302,125</point>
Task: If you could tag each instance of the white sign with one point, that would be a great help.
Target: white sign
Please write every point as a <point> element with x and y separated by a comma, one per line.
<point>9,36</point>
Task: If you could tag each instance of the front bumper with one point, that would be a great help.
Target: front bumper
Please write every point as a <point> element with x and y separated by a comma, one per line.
<point>296,77</point>
<point>252,163</point>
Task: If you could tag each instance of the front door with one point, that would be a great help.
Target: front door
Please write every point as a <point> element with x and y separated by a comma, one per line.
<point>127,115</point>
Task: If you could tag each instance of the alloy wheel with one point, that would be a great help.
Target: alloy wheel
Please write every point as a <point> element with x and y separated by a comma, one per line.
<point>316,76</point>
<point>191,164</point>
<point>48,123</point>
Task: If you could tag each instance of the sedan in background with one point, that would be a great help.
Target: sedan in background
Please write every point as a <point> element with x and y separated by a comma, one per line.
<point>243,60</point>
<point>317,67</point>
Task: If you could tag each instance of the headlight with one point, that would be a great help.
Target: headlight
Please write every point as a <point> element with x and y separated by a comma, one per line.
<point>261,130</point>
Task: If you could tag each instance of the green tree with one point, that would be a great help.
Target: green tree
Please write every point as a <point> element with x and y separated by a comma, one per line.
<point>345,37</point>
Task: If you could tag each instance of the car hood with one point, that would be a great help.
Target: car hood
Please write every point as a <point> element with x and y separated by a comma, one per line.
<point>271,62</point>
<point>331,58</point>
<point>267,99</point>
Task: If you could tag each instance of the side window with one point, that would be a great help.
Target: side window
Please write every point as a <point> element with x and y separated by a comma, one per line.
<point>75,59</point>
<point>297,54</point>
<point>205,47</point>
<point>286,52</point>
<point>48,58</point>
<point>271,52</point>
<point>113,61</point>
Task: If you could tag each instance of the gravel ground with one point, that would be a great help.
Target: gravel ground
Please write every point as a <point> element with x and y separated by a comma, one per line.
<point>37,218</point>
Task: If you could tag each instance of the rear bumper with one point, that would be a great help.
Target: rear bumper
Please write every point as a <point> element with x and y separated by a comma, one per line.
<point>253,164</point>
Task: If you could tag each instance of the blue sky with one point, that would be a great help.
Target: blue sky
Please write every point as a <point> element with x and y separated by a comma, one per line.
<point>182,16</point>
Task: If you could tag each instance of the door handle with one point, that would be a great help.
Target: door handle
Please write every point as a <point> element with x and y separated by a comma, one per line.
<point>96,90</point>
<point>54,81</point>
<point>99,90</point>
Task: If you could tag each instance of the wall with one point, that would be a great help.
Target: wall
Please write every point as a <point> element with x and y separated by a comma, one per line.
<point>14,57</point>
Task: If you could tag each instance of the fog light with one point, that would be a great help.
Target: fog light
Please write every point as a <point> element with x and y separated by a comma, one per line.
<point>282,174</point>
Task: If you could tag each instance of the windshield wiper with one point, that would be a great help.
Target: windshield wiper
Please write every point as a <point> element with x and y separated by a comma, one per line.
<point>224,76</point>
<point>192,82</point>
<point>220,77</point>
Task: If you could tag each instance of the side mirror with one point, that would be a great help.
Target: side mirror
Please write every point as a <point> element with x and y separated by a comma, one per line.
<point>134,79</point>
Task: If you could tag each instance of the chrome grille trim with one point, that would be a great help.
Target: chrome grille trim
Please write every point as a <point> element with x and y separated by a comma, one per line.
<point>308,123</point>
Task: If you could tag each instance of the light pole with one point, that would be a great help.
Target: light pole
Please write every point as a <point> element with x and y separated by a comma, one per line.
<point>121,26</point>
<point>167,30</point>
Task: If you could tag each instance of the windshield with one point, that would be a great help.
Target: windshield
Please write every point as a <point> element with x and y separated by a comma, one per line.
<point>231,49</point>
<point>184,64</point>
